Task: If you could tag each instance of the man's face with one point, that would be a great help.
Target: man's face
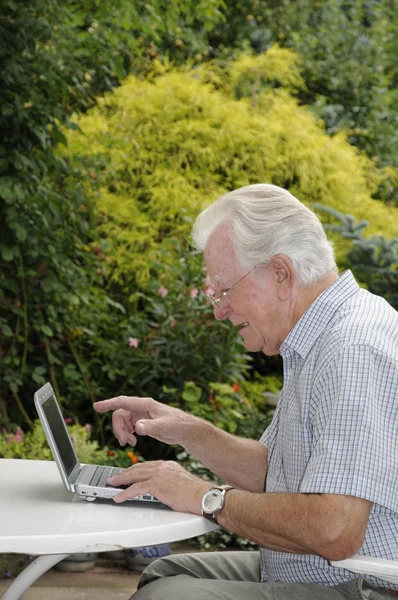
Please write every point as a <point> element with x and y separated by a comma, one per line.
<point>251,302</point>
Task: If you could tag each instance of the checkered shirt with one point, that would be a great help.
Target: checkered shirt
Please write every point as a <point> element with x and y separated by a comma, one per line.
<point>335,429</point>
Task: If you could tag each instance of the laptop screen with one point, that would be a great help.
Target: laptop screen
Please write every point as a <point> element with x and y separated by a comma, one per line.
<point>60,434</point>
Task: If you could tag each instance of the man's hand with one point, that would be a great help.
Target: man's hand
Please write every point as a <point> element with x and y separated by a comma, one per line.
<point>240,462</point>
<point>167,481</point>
<point>144,416</point>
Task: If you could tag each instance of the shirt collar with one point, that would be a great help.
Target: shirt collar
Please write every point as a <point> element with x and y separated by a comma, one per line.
<point>315,319</point>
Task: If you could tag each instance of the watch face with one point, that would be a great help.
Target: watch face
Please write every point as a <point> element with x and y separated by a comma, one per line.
<point>212,501</point>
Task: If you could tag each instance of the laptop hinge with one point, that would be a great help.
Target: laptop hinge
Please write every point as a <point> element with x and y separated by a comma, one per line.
<point>74,475</point>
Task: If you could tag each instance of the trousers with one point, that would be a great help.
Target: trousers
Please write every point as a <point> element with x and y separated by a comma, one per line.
<point>236,576</point>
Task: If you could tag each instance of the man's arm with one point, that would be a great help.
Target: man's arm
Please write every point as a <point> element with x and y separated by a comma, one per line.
<point>331,526</point>
<point>239,462</point>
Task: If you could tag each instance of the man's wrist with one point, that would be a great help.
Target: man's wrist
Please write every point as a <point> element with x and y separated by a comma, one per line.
<point>202,490</point>
<point>194,433</point>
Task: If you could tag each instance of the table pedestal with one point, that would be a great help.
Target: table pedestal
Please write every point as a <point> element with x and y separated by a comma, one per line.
<point>30,574</point>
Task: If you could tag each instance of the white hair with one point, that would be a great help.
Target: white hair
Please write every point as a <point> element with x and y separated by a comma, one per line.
<point>267,220</point>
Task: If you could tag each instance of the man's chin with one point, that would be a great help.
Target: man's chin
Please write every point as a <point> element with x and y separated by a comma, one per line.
<point>259,345</point>
<point>253,345</point>
<point>254,349</point>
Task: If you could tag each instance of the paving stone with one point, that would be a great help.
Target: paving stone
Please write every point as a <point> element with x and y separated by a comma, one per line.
<point>69,593</point>
<point>107,580</point>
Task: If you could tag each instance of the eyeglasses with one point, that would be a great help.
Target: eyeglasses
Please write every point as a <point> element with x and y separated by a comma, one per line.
<point>216,302</point>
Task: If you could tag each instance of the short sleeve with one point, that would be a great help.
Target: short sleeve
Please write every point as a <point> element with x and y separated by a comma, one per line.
<point>355,428</point>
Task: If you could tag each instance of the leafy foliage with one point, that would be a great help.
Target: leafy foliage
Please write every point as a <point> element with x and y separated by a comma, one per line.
<point>145,163</point>
<point>49,281</point>
<point>348,50</point>
<point>227,406</point>
<point>165,335</point>
<point>373,259</point>
<point>46,272</point>
<point>82,231</point>
<point>161,148</point>
<point>34,446</point>
<point>56,58</point>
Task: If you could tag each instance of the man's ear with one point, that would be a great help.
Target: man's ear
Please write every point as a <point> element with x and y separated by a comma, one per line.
<point>283,273</point>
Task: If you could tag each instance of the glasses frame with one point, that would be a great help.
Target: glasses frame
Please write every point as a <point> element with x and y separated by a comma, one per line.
<point>216,302</point>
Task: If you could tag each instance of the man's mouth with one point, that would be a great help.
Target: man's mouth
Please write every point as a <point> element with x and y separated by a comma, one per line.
<point>243,325</point>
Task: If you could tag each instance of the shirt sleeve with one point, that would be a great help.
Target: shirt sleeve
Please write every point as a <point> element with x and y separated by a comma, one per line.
<point>355,428</point>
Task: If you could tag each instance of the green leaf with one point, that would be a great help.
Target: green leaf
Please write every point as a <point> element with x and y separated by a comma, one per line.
<point>37,375</point>
<point>7,331</point>
<point>9,189</point>
<point>20,232</point>
<point>88,331</point>
<point>117,305</point>
<point>236,413</point>
<point>12,5</point>
<point>14,386</point>
<point>7,110</point>
<point>48,283</point>
<point>7,254</point>
<point>191,393</point>
<point>60,137</point>
<point>47,330</point>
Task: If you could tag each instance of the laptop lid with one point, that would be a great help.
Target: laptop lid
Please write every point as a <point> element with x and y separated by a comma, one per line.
<point>57,435</point>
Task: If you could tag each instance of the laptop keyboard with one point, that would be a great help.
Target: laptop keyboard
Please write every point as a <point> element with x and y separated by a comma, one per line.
<point>101,474</point>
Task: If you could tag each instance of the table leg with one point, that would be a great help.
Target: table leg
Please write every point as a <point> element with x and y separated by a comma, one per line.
<point>30,574</point>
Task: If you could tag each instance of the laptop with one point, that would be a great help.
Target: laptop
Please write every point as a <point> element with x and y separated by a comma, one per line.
<point>87,481</point>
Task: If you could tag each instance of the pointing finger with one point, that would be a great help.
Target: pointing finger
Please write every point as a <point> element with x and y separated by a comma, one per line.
<point>129,403</point>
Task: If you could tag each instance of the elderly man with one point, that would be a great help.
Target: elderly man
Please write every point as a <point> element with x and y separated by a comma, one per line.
<point>321,484</point>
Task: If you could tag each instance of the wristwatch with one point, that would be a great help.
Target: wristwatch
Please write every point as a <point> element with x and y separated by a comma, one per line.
<point>213,501</point>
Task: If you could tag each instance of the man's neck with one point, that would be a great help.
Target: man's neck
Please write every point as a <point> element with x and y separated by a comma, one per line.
<point>308,294</point>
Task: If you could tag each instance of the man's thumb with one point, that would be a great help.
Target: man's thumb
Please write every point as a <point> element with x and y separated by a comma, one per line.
<point>142,428</point>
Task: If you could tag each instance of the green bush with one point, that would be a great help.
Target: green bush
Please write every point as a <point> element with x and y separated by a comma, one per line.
<point>348,50</point>
<point>237,408</point>
<point>174,327</point>
<point>164,338</point>
<point>85,284</point>
<point>33,445</point>
<point>55,58</point>
<point>153,154</point>
<point>163,148</point>
<point>374,259</point>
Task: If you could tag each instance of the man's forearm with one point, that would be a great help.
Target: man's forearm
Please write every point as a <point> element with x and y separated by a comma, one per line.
<point>332,526</point>
<point>239,462</point>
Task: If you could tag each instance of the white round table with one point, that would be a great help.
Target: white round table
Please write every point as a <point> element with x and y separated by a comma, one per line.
<point>39,517</point>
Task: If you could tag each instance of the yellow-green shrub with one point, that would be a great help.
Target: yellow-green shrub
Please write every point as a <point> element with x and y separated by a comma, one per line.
<point>157,151</point>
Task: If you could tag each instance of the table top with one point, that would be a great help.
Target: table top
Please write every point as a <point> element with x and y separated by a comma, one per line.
<point>39,516</point>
